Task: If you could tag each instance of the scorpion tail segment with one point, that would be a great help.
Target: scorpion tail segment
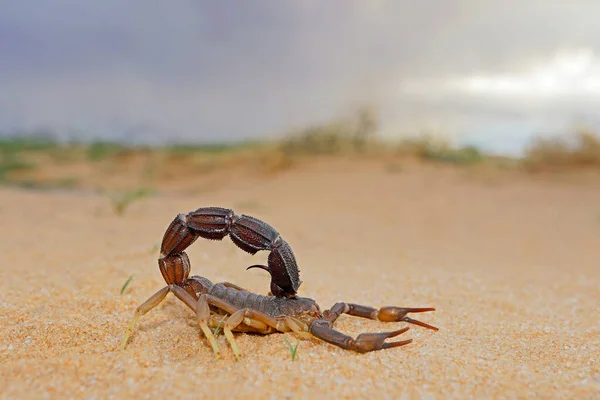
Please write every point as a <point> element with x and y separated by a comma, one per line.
<point>175,268</point>
<point>211,222</point>
<point>177,237</point>
<point>393,314</point>
<point>285,275</point>
<point>252,235</point>
<point>363,343</point>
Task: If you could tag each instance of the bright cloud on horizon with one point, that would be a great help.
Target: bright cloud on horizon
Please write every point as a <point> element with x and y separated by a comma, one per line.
<point>502,112</point>
<point>566,74</point>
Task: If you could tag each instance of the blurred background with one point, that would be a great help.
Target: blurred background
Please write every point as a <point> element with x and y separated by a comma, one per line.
<point>485,73</point>
<point>142,95</point>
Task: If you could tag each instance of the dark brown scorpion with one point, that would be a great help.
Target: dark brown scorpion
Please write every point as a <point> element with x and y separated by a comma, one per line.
<point>239,310</point>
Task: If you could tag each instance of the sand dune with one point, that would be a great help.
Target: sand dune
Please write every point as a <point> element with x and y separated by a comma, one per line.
<point>510,263</point>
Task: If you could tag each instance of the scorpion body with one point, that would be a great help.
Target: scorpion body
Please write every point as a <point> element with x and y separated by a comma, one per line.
<point>269,305</point>
<point>239,310</point>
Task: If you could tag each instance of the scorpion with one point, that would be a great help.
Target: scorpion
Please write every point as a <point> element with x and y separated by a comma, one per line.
<point>239,310</point>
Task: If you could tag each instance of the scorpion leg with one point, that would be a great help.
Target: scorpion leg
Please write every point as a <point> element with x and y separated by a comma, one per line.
<point>363,343</point>
<point>231,323</point>
<point>233,286</point>
<point>175,269</point>
<point>203,315</point>
<point>248,326</point>
<point>248,316</point>
<point>154,301</point>
<point>255,318</point>
<point>148,305</point>
<point>298,327</point>
<point>384,314</point>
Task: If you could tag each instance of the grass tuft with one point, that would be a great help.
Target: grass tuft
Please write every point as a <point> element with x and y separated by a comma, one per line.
<point>293,349</point>
<point>127,282</point>
<point>218,329</point>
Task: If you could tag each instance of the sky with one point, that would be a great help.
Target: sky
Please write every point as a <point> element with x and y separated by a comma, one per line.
<point>490,73</point>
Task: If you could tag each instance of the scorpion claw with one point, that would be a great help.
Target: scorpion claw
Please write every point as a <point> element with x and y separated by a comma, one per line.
<point>363,343</point>
<point>376,341</point>
<point>396,314</point>
<point>420,323</point>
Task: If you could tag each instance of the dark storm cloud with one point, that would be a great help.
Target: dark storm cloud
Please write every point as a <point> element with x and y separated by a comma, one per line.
<point>227,70</point>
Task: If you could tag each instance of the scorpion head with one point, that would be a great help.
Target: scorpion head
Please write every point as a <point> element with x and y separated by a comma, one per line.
<point>197,285</point>
<point>300,307</point>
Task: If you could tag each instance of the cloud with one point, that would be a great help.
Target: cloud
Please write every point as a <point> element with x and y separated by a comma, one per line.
<point>229,70</point>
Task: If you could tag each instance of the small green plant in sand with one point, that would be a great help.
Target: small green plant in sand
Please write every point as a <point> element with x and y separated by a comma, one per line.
<point>218,329</point>
<point>293,349</point>
<point>127,282</point>
<point>122,201</point>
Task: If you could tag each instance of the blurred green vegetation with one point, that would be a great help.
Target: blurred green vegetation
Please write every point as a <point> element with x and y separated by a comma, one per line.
<point>12,163</point>
<point>15,144</point>
<point>429,148</point>
<point>211,148</point>
<point>580,149</point>
<point>98,151</point>
<point>354,134</point>
<point>121,201</point>
<point>38,161</point>
<point>11,154</point>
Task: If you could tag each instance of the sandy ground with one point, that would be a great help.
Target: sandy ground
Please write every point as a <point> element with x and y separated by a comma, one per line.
<point>510,262</point>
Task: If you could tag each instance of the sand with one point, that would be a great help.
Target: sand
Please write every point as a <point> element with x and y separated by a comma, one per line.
<point>509,261</point>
